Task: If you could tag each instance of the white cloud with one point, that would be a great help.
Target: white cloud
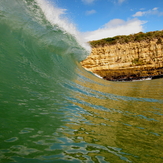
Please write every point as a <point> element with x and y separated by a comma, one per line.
<point>154,11</point>
<point>142,9</point>
<point>155,8</point>
<point>139,13</point>
<point>88,1</point>
<point>113,23</point>
<point>121,1</point>
<point>90,12</point>
<point>115,27</point>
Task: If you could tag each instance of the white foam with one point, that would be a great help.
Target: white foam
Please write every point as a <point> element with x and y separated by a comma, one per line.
<point>98,76</point>
<point>143,79</point>
<point>55,16</point>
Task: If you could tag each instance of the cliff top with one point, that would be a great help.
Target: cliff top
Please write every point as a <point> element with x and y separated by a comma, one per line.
<point>130,38</point>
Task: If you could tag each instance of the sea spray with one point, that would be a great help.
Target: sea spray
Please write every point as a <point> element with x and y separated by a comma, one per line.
<point>56,16</point>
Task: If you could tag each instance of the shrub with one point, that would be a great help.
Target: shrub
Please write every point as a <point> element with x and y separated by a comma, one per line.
<point>137,62</point>
<point>130,38</point>
<point>159,41</point>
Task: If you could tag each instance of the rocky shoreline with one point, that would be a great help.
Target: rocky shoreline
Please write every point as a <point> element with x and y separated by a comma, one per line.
<point>131,74</point>
<point>132,78</point>
<point>127,61</point>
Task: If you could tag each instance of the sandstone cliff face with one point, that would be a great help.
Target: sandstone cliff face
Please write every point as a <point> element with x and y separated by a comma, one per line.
<point>125,56</point>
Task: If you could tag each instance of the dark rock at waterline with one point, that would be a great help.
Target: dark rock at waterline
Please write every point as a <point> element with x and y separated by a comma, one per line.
<point>131,74</point>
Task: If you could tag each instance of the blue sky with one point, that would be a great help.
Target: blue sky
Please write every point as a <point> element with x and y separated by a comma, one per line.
<point>97,19</point>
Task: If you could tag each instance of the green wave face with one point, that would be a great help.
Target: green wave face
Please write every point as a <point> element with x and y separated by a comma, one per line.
<point>52,110</point>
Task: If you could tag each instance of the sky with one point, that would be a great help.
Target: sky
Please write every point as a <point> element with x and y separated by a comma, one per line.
<point>97,19</point>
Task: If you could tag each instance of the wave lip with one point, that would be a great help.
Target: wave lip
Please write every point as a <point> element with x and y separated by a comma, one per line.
<point>43,21</point>
<point>56,16</point>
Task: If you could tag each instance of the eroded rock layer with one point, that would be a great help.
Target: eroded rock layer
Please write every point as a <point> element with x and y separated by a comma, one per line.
<point>144,58</point>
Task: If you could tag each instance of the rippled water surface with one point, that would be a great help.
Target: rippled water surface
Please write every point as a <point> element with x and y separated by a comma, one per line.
<point>52,110</point>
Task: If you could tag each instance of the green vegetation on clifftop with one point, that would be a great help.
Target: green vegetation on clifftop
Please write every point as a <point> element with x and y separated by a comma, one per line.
<point>130,38</point>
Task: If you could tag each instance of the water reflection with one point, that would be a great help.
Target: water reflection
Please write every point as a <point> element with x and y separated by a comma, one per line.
<point>125,125</point>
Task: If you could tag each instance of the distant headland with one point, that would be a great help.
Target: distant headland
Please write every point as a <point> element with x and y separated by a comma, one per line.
<point>131,57</point>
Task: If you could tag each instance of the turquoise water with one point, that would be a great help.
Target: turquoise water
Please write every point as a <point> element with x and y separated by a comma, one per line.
<point>52,110</point>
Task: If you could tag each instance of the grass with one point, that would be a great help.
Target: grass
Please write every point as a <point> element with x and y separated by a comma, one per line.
<point>137,62</point>
<point>130,38</point>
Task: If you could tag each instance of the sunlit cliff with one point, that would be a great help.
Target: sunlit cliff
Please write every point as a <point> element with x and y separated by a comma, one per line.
<point>139,56</point>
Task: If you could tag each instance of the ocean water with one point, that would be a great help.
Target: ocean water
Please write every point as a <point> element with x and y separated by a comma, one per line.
<point>53,110</point>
